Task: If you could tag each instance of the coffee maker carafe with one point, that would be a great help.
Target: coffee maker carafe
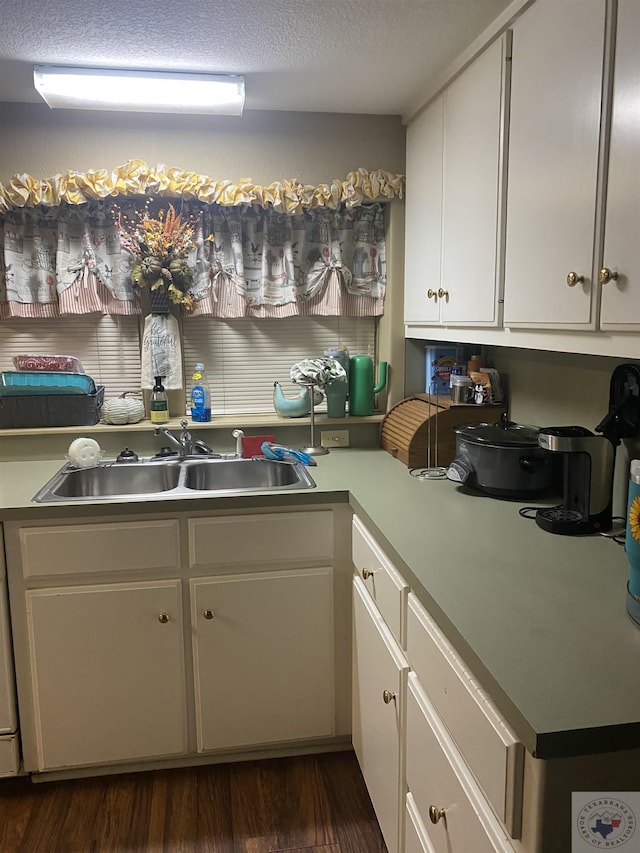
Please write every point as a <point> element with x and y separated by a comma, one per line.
<point>588,466</point>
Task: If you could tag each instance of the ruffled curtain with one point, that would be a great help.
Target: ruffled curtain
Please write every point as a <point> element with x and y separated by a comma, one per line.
<point>261,263</point>
<point>63,261</point>
<point>273,251</point>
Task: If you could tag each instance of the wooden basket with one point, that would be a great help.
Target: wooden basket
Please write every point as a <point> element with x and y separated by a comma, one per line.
<point>411,423</point>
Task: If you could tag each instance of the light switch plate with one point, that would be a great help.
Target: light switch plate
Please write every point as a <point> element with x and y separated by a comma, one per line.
<point>334,438</point>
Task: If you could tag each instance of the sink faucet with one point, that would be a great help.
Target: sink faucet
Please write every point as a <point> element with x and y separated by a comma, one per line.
<point>183,442</point>
<point>238,434</point>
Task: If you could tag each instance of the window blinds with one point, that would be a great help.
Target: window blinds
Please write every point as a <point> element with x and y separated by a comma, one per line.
<point>244,357</point>
<point>107,346</point>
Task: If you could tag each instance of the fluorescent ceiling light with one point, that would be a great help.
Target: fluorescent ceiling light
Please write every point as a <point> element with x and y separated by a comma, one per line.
<point>139,91</point>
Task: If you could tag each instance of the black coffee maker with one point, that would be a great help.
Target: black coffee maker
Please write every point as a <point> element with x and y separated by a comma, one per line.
<point>587,478</point>
<point>589,460</point>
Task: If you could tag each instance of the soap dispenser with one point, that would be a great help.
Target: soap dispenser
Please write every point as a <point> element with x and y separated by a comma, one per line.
<point>159,404</point>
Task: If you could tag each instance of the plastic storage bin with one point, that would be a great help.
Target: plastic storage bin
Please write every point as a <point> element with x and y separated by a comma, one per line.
<point>45,382</point>
<point>50,410</point>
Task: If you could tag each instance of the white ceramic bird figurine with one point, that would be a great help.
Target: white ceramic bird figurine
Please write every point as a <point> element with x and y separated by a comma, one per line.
<point>293,407</point>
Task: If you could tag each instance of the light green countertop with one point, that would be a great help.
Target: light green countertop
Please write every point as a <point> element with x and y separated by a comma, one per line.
<point>540,619</point>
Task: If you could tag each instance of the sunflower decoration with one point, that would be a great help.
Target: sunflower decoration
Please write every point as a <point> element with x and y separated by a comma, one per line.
<point>159,249</point>
<point>634,518</point>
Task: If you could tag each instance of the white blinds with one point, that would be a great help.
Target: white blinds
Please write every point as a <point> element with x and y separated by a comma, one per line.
<point>244,357</point>
<point>107,346</point>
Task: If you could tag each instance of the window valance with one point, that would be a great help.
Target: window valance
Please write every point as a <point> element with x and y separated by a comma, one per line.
<point>136,178</point>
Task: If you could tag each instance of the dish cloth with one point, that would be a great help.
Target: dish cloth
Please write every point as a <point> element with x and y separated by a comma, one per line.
<point>161,352</point>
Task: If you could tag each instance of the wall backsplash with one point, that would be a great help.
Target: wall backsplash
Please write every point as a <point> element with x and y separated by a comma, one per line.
<point>557,389</point>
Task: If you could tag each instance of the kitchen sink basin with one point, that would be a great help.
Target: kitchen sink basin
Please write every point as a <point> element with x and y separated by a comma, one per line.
<point>242,474</point>
<point>175,477</point>
<point>110,480</point>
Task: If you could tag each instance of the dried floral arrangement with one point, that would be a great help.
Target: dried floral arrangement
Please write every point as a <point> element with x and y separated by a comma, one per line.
<point>160,247</point>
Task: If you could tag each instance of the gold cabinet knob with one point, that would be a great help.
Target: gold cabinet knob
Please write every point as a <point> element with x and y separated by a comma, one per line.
<point>435,814</point>
<point>208,614</point>
<point>388,697</point>
<point>431,294</point>
<point>606,275</point>
<point>163,618</point>
<point>573,278</point>
<point>443,294</point>
<point>366,574</point>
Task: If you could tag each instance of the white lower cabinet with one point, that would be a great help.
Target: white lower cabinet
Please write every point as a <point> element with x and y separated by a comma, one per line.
<point>442,786</point>
<point>263,657</point>
<point>379,678</point>
<point>107,673</point>
<point>204,647</point>
<point>443,769</point>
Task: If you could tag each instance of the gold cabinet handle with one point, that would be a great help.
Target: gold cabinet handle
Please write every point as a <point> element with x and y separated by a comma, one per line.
<point>607,275</point>
<point>443,294</point>
<point>388,697</point>
<point>573,278</point>
<point>435,814</point>
<point>366,574</point>
<point>431,294</point>
<point>163,618</point>
<point>208,614</point>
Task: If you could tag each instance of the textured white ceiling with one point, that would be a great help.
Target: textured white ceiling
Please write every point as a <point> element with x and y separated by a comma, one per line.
<point>354,56</point>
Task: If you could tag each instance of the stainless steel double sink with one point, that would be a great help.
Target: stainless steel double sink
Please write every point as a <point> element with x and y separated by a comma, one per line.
<point>174,477</point>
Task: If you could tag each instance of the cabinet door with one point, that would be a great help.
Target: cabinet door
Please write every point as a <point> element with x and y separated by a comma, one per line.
<point>379,679</point>
<point>556,83</point>
<point>423,207</point>
<point>107,674</point>
<point>263,657</point>
<point>620,307</point>
<point>472,190</point>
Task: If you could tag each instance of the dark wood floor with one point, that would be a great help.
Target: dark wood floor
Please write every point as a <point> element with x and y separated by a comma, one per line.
<point>312,804</point>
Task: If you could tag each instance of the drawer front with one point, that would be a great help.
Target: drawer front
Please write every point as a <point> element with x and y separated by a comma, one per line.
<point>488,745</point>
<point>284,538</point>
<point>438,778</point>
<point>383,582</point>
<point>9,755</point>
<point>73,549</point>
<point>416,839</point>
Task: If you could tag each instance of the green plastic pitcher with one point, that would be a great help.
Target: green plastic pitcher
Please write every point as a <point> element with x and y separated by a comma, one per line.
<point>362,387</point>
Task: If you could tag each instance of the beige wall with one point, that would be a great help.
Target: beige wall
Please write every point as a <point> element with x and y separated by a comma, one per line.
<point>264,146</point>
<point>562,389</point>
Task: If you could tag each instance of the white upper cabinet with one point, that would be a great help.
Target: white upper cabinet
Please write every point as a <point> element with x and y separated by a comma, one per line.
<point>454,234</point>
<point>620,268</point>
<point>423,215</point>
<point>554,141</point>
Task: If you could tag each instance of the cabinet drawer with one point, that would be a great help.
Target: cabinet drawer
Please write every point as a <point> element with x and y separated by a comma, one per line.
<point>9,755</point>
<point>438,777</point>
<point>382,581</point>
<point>73,549</point>
<point>416,838</point>
<point>488,745</point>
<point>283,538</point>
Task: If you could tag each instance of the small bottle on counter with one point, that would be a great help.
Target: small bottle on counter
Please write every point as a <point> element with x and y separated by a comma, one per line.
<point>159,404</point>
<point>200,395</point>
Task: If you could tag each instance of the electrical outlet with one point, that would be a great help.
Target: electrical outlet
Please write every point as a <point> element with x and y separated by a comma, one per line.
<point>334,438</point>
